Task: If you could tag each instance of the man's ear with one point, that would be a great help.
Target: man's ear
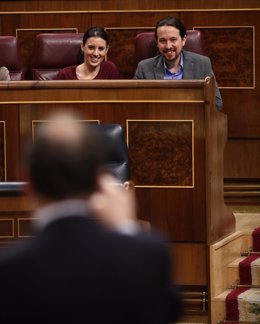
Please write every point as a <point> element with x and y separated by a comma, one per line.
<point>184,40</point>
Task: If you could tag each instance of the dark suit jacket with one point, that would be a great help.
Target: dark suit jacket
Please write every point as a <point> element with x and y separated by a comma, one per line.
<point>75,271</point>
<point>195,66</point>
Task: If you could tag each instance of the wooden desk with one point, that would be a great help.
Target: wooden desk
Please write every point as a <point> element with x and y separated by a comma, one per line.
<point>176,140</point>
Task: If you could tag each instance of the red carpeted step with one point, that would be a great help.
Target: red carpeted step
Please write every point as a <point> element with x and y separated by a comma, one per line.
<point>232,313</point>
<point>245,274</point>
<point>248,275</point>
<point>256,239</point>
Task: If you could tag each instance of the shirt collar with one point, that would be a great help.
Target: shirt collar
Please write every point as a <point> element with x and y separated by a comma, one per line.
<point>58,210</point>
<point>166,68</point>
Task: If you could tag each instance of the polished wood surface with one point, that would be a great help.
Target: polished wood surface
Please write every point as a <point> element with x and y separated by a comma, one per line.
<point>164,113</point>
<point>126,5</point>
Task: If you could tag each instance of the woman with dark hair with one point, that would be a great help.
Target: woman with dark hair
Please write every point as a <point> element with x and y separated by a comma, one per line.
<point>94,48</point>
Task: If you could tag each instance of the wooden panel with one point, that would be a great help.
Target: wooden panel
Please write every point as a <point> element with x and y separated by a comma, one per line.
<point>242,157</point>
<point>14,208</point>
<point>6,228</point>
<point>185,255</point>
<point>121,101</point>
<point>10,143</point>
<point>25,227</point>
<point>231,69</point>
<point>127,4</point>
<point>162,151</point>
<point>121,51</point>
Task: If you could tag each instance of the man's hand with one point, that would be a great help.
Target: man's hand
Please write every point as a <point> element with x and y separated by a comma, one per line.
<point>114,205</point>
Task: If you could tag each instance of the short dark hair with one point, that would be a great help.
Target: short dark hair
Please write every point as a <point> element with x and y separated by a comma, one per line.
<point>62,169</point>
<point>96,32</point>
<point>171,21</point>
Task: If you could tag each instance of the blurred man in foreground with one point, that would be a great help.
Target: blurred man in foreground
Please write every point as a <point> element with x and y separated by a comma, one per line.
<point>83,266</point>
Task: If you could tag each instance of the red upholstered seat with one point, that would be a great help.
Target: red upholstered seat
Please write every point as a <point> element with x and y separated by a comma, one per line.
<point>145,44</point>
<point>10,57</point>
<point>53,52</point>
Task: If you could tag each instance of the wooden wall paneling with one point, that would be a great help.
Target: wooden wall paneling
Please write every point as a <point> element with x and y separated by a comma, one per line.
<point>231,70</point>
<point>121,101</point>
<point>170,143</point>
<point>35,5</point>
<point>15,218</point>
<point>184,255</point>
<point>188,228</point>
<point>121,49</point>
<point>242,157</point>
<point>10,145</point>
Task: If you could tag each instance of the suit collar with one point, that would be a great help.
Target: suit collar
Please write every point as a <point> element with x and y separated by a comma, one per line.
<point>158,68</point>
<point>188,65</point>
<point>58,210</point>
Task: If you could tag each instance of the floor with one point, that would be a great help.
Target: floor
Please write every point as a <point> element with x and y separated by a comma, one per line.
<point>190,319</point>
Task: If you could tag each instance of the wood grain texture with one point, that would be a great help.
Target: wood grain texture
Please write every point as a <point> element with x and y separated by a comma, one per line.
<point>126,5</point>
<point>162,153</point>
<point>231,50</point>
<point>201,211</point>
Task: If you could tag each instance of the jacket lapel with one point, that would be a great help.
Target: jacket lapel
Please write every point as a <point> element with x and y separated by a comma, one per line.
<point>158,69</point>
<point>188,66</point>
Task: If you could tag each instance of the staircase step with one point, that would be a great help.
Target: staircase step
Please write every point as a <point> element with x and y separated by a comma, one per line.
<point>226,256</point>
<point>250,270</point>
<point>218,304</point>
<point>243,305</point>
<point>222,297</point>
<point>233,272</point>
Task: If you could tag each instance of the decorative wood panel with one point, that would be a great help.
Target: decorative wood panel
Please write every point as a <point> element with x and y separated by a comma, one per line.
<point>25,227</point>
<point>102,5</point>
<point>162,151</point>
<point>116,101</point>
<point>6,228</point>
<point>248,151</point>
<point>121,52</point>
<point>231,50</point>
<point>15,224</point>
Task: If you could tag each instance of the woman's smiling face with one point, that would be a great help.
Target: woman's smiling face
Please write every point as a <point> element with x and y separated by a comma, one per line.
<point>95,50</point>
